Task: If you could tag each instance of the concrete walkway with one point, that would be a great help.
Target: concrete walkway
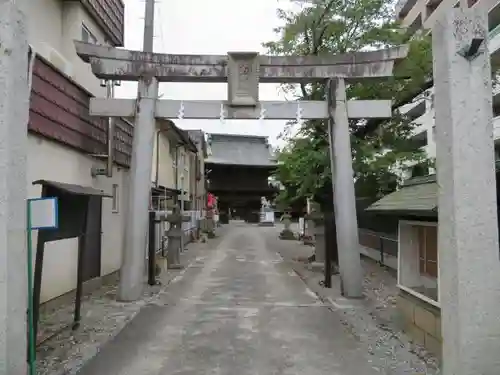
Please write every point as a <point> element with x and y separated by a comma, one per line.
<point>241,310</point>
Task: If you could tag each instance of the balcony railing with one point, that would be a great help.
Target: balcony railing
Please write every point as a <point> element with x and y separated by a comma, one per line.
<point>403,7</point>
<point>493,33</point>
<point>494,44</point>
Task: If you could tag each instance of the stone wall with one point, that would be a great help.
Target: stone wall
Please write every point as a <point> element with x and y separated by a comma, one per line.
<point>422,322</point>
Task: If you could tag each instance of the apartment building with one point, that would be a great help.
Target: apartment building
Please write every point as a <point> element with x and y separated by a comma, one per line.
<point>68,148</point>
<point>415,204</point>
<point>419,16</point>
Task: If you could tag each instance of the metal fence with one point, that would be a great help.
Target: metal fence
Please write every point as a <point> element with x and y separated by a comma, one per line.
<point>384,244</point>
<point>192,224</point>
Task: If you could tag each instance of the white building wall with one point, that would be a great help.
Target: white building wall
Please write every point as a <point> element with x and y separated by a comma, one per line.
<point>426,123</point>
<point>52,27</point>
<point>52,161</point>
<point>166,170</point>
<point>183,174</point>
<point>45,23</point>
<point>74,16</point>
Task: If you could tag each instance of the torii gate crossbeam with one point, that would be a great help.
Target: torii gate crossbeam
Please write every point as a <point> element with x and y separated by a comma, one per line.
<point>243,71</point>
<point>211,109</point>
<point>127,65</point>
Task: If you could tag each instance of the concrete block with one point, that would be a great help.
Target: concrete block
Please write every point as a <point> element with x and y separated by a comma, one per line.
<point>434,345</point>
<point>407,308</point>
<point>416,334</point>
<point>438,328</point>
<point>287,234</point>
<point>162,264</point>
<point>425,320</point>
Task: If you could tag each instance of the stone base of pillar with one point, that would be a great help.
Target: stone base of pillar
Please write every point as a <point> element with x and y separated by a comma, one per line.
<point>308,240</point>
<point>161,264</point>
<point>287,234</point>
<point>320,266</point>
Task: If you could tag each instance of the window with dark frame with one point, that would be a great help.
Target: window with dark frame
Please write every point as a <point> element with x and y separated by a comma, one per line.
<point>87,35</point>
<point>427,249</point>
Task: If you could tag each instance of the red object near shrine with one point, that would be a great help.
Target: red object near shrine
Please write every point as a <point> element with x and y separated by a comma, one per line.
<point>211,200</point>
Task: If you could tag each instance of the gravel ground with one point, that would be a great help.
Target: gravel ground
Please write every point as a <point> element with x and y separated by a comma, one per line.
<point>374,320</point>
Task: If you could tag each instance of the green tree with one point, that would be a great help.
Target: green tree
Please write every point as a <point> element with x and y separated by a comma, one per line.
<point>340,26</point>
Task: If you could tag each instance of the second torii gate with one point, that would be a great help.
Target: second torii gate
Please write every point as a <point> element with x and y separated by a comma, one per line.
<point>243,71</point>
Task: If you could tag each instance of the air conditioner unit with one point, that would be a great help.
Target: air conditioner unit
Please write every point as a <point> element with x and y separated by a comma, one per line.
<point>57,59</point>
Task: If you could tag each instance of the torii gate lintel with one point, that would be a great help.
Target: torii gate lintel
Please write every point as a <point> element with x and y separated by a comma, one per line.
<point>128,65</point>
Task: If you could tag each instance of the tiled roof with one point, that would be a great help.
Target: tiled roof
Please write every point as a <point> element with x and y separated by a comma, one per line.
<point>418,196</point>
<point>248,150</point>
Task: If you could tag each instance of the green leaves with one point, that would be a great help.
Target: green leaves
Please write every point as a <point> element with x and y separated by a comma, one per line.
<point>339,26</point>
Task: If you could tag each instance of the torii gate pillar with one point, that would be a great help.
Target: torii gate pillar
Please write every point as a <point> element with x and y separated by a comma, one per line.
<point>14,111</point>
<point>469,264</point>
<point>351,274</point>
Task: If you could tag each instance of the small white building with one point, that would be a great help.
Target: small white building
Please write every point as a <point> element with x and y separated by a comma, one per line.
<point>415,205</point>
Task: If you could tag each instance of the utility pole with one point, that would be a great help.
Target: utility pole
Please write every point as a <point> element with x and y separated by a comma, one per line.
<point>14,115</point>
<point>136,220</point>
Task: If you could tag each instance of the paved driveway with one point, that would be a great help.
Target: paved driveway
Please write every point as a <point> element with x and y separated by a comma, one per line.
<point>238,310</point>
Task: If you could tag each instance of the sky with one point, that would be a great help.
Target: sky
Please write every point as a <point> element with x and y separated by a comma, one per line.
<point>208,27</point>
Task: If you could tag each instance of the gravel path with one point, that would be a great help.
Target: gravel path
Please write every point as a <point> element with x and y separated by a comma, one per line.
<point>374,320</point>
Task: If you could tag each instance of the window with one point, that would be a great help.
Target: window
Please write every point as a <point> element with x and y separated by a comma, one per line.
<point>87,35</point>
<point>418,268</point>
<point>497,154</point>
<point>427,250</point>
<point>419,170</point>
<point>115,199</point>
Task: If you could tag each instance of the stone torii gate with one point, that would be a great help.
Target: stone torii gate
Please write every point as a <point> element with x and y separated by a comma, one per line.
<point>468,243</point>
<point>243,71</point>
